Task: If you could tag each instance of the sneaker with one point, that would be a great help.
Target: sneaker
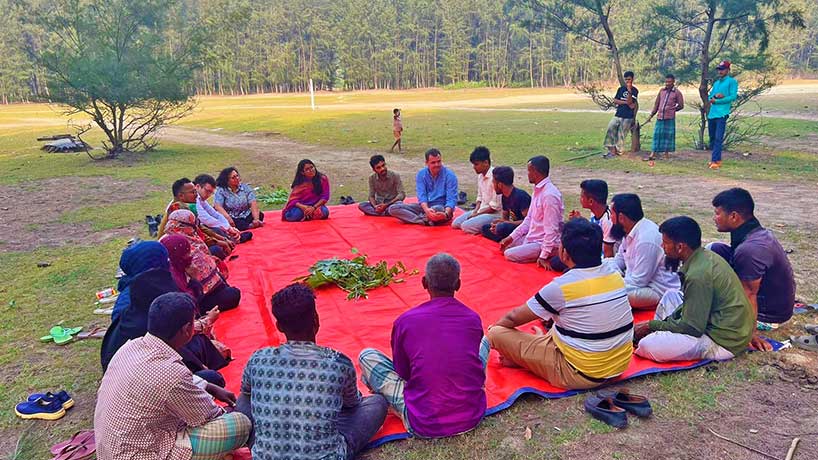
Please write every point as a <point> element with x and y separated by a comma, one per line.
<point>715,165</point>
<point>41,409</point>
<point>63,397</point>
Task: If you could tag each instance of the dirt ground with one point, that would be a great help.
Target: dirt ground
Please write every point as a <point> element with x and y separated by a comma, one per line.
<point>23,228</point>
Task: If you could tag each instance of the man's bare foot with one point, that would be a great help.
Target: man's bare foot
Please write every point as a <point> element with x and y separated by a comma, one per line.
<point>537,330</point>
<point>505,362</point>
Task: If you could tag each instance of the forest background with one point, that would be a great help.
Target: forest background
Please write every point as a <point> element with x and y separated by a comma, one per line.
<point>277,46</point>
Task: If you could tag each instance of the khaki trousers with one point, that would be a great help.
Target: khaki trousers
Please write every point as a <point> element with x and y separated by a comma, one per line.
<point>540,355</point>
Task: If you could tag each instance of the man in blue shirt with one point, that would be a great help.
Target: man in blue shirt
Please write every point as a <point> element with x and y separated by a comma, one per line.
<point>722,95</point>
<point>436,188</point>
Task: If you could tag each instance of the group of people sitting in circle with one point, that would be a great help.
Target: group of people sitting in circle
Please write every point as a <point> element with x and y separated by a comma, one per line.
<point>301,400</point>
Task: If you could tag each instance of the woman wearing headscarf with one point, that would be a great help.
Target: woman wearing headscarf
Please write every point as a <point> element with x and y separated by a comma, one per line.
<point>309,195</point>
<point>204,268</point>
<point>135,260</point>
<point>200,355</point>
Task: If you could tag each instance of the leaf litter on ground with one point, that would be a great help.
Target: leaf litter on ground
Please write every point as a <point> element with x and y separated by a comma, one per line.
<point>355,276</point>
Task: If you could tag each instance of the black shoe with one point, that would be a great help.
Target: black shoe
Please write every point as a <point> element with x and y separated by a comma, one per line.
<point>245,237</point>
<point>149,219</point>
<point>635,404</point>
<point>606,411</point>
<point>462,197</point>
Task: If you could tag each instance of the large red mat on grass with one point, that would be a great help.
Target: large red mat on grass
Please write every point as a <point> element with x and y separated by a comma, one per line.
<point>281,251</point>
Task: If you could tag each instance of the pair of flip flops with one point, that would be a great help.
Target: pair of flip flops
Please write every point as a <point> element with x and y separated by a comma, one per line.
<point>612,407</point>
<point>346,200</point>
<point>81,445</point>
<point>807,342</point>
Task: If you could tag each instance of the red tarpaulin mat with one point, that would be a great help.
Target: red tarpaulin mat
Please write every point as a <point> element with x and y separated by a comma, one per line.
<point>281,251</point>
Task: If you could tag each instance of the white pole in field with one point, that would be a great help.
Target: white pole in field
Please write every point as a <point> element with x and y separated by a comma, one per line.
<point>312,95</point>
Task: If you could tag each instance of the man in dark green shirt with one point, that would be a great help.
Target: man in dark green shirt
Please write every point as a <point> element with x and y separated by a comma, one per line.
<point>713,318</point>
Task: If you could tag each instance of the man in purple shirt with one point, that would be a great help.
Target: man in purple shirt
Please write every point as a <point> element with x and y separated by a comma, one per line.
<point>435,379</point>
<point>758,259</point>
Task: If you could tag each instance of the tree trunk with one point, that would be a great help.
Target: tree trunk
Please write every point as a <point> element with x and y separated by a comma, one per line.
<point>614,49</point>
<point>705,65</point>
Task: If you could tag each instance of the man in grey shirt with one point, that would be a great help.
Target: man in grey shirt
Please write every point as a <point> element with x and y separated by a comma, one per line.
<point>385,189</point>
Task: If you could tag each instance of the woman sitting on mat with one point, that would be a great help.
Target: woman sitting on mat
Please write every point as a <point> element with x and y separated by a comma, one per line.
<point>236,200</point>
<point>210,272</point>
<point>201,355</point>
<point>137,259</point>
<point>309,195</point>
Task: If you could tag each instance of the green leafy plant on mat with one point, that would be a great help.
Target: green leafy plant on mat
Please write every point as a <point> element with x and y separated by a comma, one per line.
<point>355,275</point>
<point>273,197</point>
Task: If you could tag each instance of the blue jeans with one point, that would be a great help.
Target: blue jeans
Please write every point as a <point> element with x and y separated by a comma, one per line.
<point>358,424</point>
<point>716,128</point>
<point>295,214</point>
<point>503,230</point>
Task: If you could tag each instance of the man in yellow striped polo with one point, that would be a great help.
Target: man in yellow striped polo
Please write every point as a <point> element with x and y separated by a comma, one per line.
<point>591,339</point>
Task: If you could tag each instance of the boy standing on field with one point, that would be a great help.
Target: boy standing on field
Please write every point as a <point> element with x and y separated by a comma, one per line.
<point>397,129</point>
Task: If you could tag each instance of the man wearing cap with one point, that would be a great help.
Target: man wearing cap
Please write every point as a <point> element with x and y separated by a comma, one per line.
<point>722,95</point>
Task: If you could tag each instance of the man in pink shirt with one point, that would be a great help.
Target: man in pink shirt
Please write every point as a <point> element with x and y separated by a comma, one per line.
<point>537,239</point>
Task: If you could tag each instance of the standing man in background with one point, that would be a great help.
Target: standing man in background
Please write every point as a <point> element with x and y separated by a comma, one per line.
<point>622,122</point>
<point>722,95</point>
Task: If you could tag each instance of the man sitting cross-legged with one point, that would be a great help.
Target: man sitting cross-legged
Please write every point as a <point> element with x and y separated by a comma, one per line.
<point>640,257</point>
<point>515,205</point>
<point>487,207</point>
<point>435,378</point>
<point>184,197</point>
<point>385,189</point>
<point>205,186</point>
<point>148,404</point>
<point>536,239</point>
<point>591,340</point>
<point>711,318</point>
<point>303,398</point>
<point>436,187</point>
<point>758,259</point>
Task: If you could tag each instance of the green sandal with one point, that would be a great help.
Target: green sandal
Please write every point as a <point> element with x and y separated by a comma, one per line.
<point>60,335</point>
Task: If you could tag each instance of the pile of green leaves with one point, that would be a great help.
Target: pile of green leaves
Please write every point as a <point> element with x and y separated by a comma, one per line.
<point>273,197</point>
<point>355,275</point>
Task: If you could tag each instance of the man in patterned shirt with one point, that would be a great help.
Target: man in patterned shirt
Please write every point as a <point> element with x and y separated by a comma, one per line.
<point>149,405</point>
<point>304,398</point>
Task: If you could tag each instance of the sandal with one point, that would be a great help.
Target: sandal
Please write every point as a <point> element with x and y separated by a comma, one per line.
<point>80,437</point>
<point>96,332</point>
<point>81,445</point>
<point>807,342</point>
<point>60,335</point>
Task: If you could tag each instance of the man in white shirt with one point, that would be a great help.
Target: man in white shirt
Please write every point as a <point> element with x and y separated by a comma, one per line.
<point>487,207</point>
<point>640,257</point>
<point>537,239</point>
<point>208,216</point>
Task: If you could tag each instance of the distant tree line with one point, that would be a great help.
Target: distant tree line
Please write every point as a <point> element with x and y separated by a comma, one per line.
<point>257,46</point>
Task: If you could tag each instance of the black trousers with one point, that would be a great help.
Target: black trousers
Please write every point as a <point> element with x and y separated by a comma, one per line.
<point>245,222</point>
<point>224,296</point>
